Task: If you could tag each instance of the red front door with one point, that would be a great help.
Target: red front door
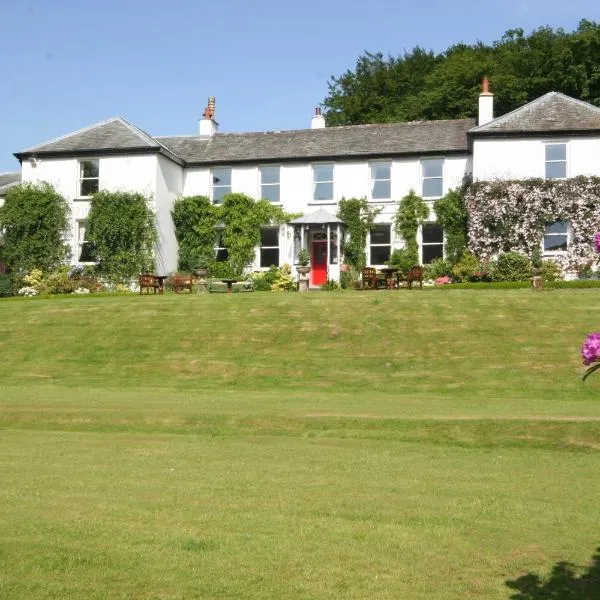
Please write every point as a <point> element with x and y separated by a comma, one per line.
<point>318,261</point>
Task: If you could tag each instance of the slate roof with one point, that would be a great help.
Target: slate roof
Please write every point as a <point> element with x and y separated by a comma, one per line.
<point>318,217</point>
<point>113,134</point>
<point>552,112</point>
<point>8,180</point>
<point>386,139</point>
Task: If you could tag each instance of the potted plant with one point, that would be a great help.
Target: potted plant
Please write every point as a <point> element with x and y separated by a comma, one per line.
<point>202,263</point>
<point>303,262</point>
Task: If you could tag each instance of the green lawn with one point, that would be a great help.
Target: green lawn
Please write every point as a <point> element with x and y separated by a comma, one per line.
<point>431,444</point>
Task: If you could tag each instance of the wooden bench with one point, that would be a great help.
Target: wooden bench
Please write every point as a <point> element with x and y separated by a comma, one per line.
<point>181,282</point>
<point>149,282</point>
<point>414,274</point>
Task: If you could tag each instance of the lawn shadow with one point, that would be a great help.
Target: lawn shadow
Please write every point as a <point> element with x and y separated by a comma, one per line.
<point>566,582</point>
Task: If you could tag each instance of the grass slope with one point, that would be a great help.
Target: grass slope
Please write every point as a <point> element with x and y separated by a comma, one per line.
<point>348,445</point>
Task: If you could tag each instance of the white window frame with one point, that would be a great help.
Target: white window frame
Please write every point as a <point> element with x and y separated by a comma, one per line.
<point>371,245</point>
<point>81,179</point>
<point>79,243</point>
<point>218,238</point>
<point>557,252</point>
<point>443,242</point>
<point>423,178</point>
<point>331,181</point>
<point>278,247</point>
<point>372,180</point>
<point>566,159</point>
<point>271,185</point>
<point>213,186</point>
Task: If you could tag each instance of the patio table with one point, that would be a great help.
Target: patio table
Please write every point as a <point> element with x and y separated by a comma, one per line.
<point>389,273</point>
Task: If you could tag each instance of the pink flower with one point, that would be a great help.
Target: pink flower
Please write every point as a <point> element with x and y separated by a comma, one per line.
<point>597,242</point>
<point>590,351</point>
<point>444,281</point>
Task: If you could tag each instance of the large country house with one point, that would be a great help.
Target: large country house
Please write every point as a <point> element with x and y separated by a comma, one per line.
<point>308,171</point>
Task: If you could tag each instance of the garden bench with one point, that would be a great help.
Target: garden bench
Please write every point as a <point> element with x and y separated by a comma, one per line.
<point>149,282</point>
<point>182,282</point>
<point>371,280</point>
<point>414,274</point>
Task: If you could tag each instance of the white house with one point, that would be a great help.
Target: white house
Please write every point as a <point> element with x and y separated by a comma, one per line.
<point>308,171</point>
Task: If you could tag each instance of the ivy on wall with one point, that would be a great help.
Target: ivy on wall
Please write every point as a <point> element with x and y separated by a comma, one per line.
<point>240,219</point>
<point>512,215</point>
<point>359,218</point>
<point>411,214</point>
<point>122,231</point>
<point>35,223</point>
<point>451,214</point>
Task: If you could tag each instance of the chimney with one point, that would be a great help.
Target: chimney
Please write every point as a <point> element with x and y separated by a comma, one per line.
<point>208,125</point>
<point>318,121</point>
<point>486,103</point>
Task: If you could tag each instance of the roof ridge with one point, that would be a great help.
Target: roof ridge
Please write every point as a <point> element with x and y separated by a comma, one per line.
<point>68,135</point>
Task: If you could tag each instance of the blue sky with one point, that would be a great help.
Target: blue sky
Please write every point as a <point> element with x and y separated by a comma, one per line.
<point>66,64</point>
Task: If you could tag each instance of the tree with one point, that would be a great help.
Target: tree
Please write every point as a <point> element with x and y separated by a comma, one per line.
<point>122,231</point>
<point>422,85</point>
<point>35,221</point>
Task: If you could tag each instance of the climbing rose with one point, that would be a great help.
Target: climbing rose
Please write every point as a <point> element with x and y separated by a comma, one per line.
<point>590,351</point>
<point>597,241</point>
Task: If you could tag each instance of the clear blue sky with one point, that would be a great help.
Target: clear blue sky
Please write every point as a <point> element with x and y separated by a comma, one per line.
<point>66,64</point>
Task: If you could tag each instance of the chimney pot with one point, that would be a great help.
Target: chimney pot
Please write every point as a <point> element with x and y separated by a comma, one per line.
<point>208,125</point>
<point>486,103</point>
<point>318,121</point>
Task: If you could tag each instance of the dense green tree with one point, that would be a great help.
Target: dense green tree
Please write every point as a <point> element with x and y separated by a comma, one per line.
<point>35,222</point>
<point>423,85</point>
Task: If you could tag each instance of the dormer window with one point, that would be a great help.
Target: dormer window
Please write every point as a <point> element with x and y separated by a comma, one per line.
<point>89,177</point>
<point>556,161</point>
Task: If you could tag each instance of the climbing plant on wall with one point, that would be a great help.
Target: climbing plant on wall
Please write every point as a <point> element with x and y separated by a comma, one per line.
<point>451,215</point>
<point>122,230</point>
<point>411,214</point>
<point>239,218</point>
<point>359,218</point>
<point>512,215</point>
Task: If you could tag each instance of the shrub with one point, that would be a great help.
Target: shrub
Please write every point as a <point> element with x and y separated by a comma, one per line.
<point>35,222</point>
<point>58,282</point>
<point>511,266</point>
<point>222,270</point>
<point>550,271</point>
<point>331,286</point>
<point>6,284</point>
<point>466,267</point>
<point>437,268</point>
<point>349,278</point>
<point>265,280</point>
<point>404,259</point>
<point>284,282</point>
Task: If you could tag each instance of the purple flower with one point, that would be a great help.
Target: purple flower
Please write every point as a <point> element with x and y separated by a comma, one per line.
<point>597,242</point>
<point>590,351</point>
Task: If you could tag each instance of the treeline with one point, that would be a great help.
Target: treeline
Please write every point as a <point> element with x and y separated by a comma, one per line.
<point>421,84</point>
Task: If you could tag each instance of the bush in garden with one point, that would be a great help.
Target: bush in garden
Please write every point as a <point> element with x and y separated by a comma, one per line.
<point>264,281</point>
<point>284,282</point>
<point>404,259</point>
<point>6,284</point>
<point>550,271</point>
<point>349,278</point>
<point>437,268</point>
<point>466,267</point>
<point>511,266</point>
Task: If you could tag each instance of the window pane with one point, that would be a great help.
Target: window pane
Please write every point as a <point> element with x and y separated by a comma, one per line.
<point>556,152</point>
<point>432,252</point>
<point>381,189</point>
<point>89,187</point>
<point>85,252</point>
<point>322,173</point>
<point>380,254</point>
<point>323,191</point>
<point>219,192</point>
<point>432,234</point>
<point>556,170</point>
<point>221,177</point>
<point>269,175</point>
<point>80,231</point>
<point>380,234</point>
<point>557,227</point>
<point>90,168</point>
<point>222,254</point>
<point>555,243</point>
<point>270,192</point>
<point>433,167</point>
<point>269,237</point>
<point>432,187</point>
<point>380,170</point>
<point>269,257</point>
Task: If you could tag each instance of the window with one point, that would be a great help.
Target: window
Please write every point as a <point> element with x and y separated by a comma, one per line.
<point>221,184</point>
<point>381,180</point>
<point>221,253</point>
<point>432,242</point>
<point>556,237</point>
<point>433,177</point>
<point>89,177</point>
<point>84,248</point>
<point>269,247</point>
<point>323,183</point>
<point>556,161</point>
<point>381,246</point>
<point>269,183</point>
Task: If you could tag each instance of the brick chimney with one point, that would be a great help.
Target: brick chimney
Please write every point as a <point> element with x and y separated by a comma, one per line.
<point>208,125</point>
<point>486,103</point>
<point>318,121</point>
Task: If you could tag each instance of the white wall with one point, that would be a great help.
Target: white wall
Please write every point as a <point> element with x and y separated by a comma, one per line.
<point>169,186</point>
<point>525,158</point>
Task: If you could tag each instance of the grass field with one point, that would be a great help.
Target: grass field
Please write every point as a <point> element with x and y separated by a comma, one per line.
<point>425,444</point>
